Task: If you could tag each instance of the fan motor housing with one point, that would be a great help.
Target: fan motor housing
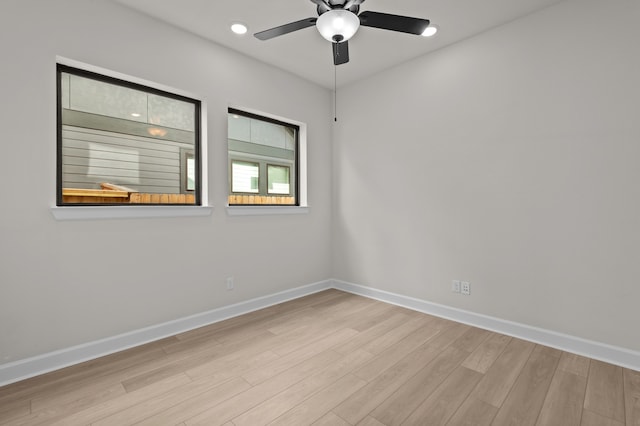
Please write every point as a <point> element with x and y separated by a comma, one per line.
<point>339,4</point>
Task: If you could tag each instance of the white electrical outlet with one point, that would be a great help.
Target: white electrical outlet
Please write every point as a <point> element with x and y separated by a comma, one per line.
<point>455,286</point>
<point>465,287</point>
<point>230,283</point>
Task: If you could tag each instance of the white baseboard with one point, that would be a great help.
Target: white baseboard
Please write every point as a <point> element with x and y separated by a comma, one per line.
<point>596,350</point>
<point>30,367</point>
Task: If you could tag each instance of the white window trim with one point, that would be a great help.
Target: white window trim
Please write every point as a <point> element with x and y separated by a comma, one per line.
<point>303,207</point>
<point>265,210</point>
<point>127,212</point>
<point>121,212</point>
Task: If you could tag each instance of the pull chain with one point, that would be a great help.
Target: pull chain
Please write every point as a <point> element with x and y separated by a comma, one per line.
<point>335,93</point>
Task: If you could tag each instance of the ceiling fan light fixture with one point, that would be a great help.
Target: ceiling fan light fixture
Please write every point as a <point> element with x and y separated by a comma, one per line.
<point>338,25</point>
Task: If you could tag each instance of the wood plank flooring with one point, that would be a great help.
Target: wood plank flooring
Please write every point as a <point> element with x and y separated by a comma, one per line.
<point>331,359</point>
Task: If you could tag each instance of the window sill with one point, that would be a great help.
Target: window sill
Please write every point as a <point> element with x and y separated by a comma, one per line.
<point>127,212</point>
<point>265,210</point>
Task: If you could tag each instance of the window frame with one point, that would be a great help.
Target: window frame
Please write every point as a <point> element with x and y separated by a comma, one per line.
<point>300,149</point>
<point>246,162</point>
<point>199,151</point>
<point>185,155</point>
<point>284,166</point>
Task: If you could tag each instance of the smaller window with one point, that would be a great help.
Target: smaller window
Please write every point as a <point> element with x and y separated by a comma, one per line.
<point>263,160</point>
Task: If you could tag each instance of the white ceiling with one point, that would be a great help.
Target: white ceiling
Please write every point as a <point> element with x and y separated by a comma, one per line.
<point>308,55</point>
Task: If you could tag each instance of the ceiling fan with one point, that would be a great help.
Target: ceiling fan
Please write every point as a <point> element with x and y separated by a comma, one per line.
<point>338,21</point>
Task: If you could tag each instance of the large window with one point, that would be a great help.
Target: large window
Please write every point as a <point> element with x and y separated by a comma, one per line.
<point>263,160</point>
<point>121,142</point>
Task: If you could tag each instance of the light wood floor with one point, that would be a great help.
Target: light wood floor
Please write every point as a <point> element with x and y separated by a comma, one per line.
<point>331,359</point>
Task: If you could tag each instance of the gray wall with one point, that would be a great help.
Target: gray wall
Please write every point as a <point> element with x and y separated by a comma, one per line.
<point>71,282</point>
<point>509,160</point>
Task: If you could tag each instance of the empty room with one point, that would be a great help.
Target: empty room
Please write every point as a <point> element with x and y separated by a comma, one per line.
<point>320,212</point>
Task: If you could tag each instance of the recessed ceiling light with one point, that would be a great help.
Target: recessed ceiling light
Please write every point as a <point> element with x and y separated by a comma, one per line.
<point>239,28</point>
<point>430,31</point>
<point>135,114</point>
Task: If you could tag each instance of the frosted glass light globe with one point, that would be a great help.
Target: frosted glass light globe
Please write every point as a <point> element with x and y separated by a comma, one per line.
<point>338,25</point>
